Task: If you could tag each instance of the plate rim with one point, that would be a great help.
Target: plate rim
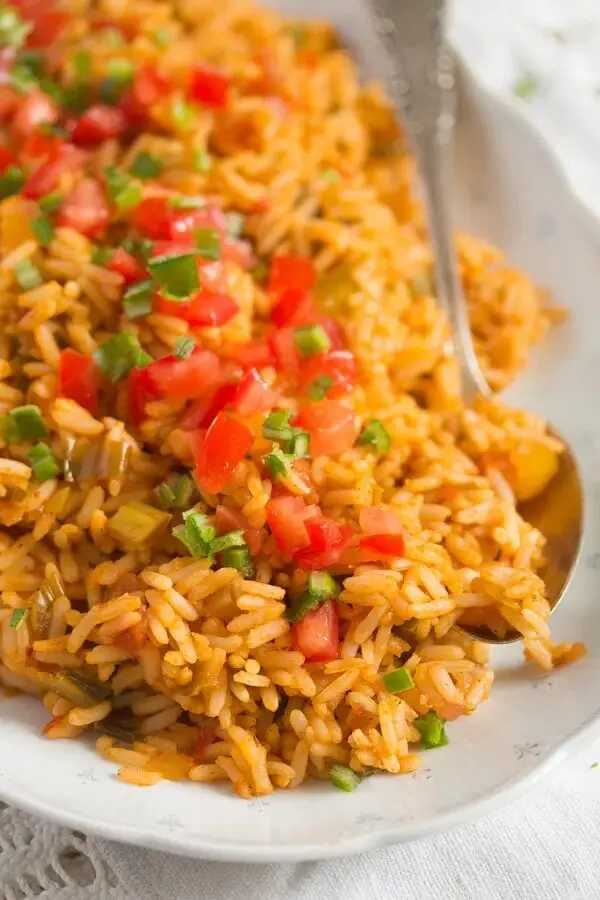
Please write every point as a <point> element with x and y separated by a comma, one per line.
<point>463,813</point>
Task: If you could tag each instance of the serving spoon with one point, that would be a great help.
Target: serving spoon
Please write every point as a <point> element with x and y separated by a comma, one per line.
<point>422,88</point>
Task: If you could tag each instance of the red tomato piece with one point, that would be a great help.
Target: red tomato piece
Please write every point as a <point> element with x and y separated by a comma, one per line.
<point>294,307</point>
<point>79,379</point>
<point>334,330</point>
<point>326,542</point>
<point>47,22</point>
<point>36,109</point>
<point>149,86</point>
<point>252,355</point>
<point>332,427</point>
<point>98,124</point>
<point>227,519</point>
<point>338,365</point>
<point>291,272</point>
<point>378,520</point>
<point>153,217</point>
<point>317,634</point>
<point>283,346</point>
<point>209,86</point>
<point>205,309</point>
<point>140,392</point>
<point>239,252</point>
<point>383,544</point>
<point>286,517</point>
<point>202,411</point>
<point>253,395</point>
<point>6,159</point>
<point>39,145</point>
<point>225,444</point>
<point>47,176</point>
<point>123,263</point>
<point>85,209</point>
<point>184,224</point>
<point>184,379</point>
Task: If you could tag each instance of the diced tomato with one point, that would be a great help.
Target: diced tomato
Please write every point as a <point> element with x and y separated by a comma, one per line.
<point>332,427</point>
<point>252,355</point>
<point>123,263</point>
<point>378,520</point>
<point>98,124</point>
<point>47,22</point>
<point>140,392</point>
<point>9,100</point>
<point>291,272</point>
<point>317,634</point>
<point>326,542</point>
<point>6,159</point>
<point>239,252</point>
<point>286,517</point>
<point>39,145</point>
<point>383,544</point>
<point>216,455</point>
<point>46,178</point>
<point>184,379</point>
<point>85,209</point>
<point>184,224</point>
<point>294,307</point>
<point>36,109</point>
<point>283,346</point>
<point>153,217</point>
<point>339,366</point>
<point>209,86</point>
<point>253,395</point>
<point>149,86</point>
<point>201,412</point>
<point>79,379</point>
<point>227,519</point>
<point>335,332</point>
<point>206,736</point>
<point>204,309</point>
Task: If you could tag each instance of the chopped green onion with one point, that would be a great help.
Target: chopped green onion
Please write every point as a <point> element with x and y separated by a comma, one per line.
<point>299,443</point>
<point>398,680</point>
<point>526,86</point>
<point>235,224</point>
<point>183,115</point>
<point>375,435</point>
<point>161,38</point>
<point>102,255</point>
<point>278,463</point>
<point>322,586</point>
<point>344,778</point>
<point>196,534</point>
<point>330,176</point>
<point>421,286</point>
<point>120,70</point>
<point>202,161</point>
<point>208,242</point>
<point>13,29</point>
<point>276,426</point>
<point>433,732</point>
<point>165,496</point>
<point>51,202</point>
<point>11,182</point>
<point>184,347</point>
<point>311,339</point>
<point>129,197</point>
<point>27,275</point>
<point>319,387</point>
<point>187,202</point>
<point>43,229</point>
<point>82,64</point>
<point>175,495</point>
<point>226,541</point>
<point>238,558</point>
<point>42,461</point>
<point>22,79</point>
<point>137,523</point>
<point>123,193</point>
<point>260,272</point>
<point>25,424</point>
<point>121,353</point>
<point>18,617</point>
<point>137,299</point>
<point>146,166</point>
<point>177,275</point>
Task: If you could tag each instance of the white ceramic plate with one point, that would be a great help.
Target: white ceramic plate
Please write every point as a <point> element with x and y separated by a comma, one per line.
<point>510,190</point>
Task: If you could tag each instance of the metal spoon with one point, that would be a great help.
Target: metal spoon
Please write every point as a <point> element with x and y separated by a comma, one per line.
<point>421,83</point>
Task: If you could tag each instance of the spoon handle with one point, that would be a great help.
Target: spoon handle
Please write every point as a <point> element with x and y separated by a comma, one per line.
<point>422,87</point>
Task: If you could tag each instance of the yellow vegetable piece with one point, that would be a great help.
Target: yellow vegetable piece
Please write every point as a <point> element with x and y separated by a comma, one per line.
<point>533,466</point>
<point>136,523</point>
<point>16,215</point>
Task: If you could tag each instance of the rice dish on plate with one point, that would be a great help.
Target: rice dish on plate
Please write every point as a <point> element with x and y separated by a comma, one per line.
<point>243,509</point>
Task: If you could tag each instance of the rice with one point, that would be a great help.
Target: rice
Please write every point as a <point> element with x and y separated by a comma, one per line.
<point>188,656</point>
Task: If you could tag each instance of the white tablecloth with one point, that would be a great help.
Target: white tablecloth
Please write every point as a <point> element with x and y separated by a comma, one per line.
<point>545,847</point>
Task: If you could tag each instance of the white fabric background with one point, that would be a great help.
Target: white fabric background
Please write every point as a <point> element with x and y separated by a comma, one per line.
<point>546,846</point>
